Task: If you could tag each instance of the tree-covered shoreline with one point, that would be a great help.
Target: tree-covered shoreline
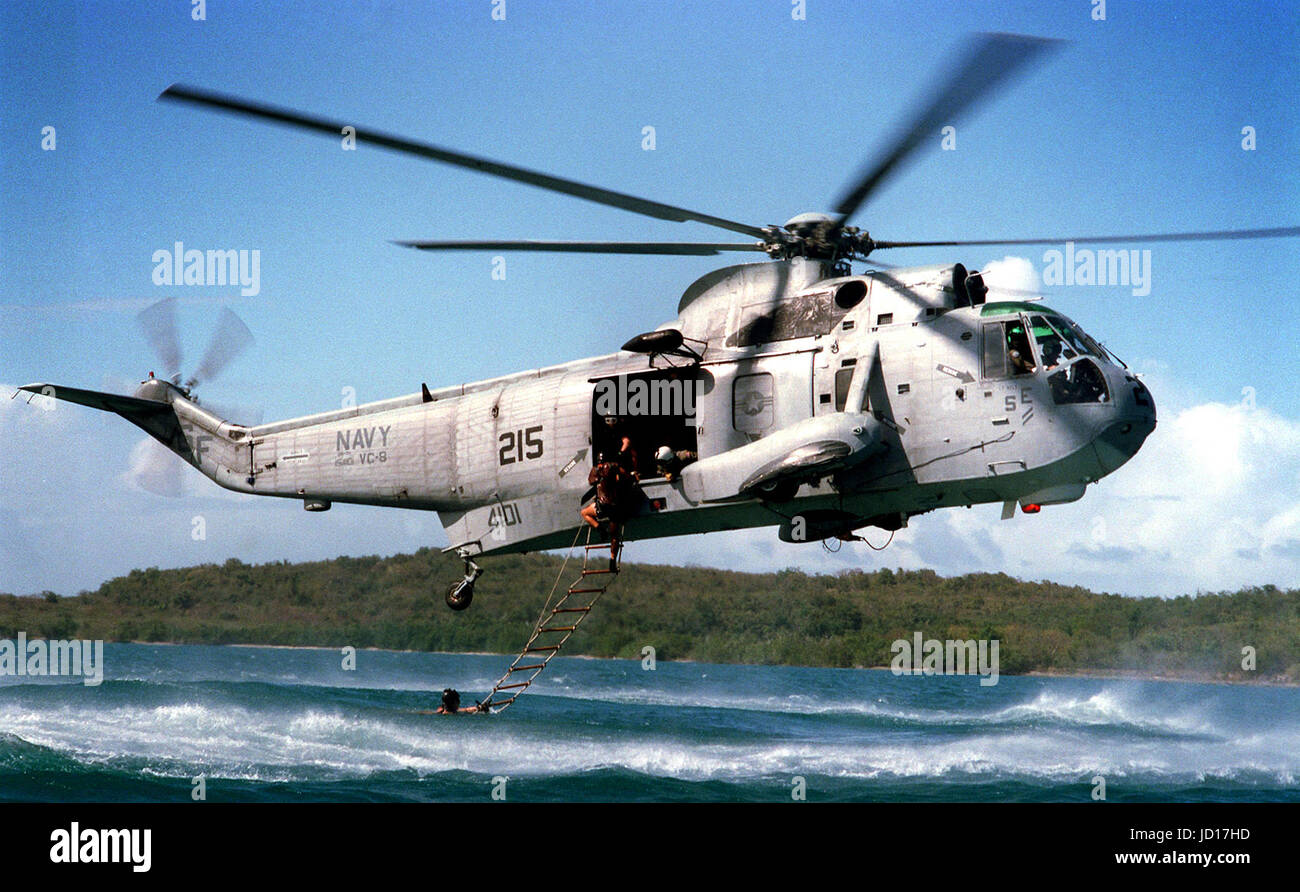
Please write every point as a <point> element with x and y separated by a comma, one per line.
<point>685,613</point>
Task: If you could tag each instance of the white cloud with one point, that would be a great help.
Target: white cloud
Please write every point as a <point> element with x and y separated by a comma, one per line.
<point>1212,501</point>
<point>1011,278</point>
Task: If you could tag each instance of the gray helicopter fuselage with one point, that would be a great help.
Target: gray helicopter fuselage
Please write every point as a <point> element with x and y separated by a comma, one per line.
<point>910,397</point>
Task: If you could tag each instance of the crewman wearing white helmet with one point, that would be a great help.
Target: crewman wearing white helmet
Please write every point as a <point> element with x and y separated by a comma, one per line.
<point>670,463</point>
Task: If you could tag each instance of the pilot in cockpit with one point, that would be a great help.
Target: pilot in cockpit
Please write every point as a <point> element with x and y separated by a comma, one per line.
<point>1022,359</point>
<point>1051,348</point>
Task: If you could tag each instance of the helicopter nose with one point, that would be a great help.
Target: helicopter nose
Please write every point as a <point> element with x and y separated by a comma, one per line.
<point>1135,419</point>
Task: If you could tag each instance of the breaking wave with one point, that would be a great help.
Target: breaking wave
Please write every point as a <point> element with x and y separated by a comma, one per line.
<point>740,729</point>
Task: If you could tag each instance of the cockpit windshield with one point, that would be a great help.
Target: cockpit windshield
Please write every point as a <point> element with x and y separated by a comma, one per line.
<point>1060,344</point>
<point>1059,341</point>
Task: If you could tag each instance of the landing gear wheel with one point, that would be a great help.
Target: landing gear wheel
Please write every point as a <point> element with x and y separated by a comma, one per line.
<point>460,594</point>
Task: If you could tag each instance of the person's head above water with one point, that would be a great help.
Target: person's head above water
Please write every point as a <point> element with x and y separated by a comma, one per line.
<point>450,699</point>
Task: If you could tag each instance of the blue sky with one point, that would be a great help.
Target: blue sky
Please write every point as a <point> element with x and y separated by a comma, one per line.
<point>1134,125</point>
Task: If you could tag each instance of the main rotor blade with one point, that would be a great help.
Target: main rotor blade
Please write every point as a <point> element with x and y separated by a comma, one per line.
<point>1208,236</point>
<point>991,60</point>
<point>275,114</point>
<point>698,249</point>
<point>158,322</point>
<point>231,338</point>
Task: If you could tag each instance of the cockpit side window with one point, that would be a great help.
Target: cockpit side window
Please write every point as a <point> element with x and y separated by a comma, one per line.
<point>995,351</point>
<point>1006,350</point>
<point>1079,382</point>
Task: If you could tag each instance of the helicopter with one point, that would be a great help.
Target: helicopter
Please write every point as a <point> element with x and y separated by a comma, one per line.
<point>806,396</point>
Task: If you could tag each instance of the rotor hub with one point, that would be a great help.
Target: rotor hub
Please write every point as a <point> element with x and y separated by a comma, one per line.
<point>816,236</point>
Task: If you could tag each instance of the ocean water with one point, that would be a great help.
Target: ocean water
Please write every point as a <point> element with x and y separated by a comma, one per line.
<point>276,724</point>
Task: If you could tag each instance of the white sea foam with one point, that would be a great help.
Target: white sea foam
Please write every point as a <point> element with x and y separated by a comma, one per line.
<point>1106,707</point>
<point>683,721</point>
<point>313,742</point>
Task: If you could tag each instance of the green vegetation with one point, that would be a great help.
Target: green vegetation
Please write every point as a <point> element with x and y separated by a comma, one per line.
<point>685,612</point>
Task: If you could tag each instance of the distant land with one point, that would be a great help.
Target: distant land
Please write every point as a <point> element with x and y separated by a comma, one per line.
<point>685,613</point>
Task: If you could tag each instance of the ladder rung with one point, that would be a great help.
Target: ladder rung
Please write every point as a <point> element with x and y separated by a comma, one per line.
<point>551,649</point>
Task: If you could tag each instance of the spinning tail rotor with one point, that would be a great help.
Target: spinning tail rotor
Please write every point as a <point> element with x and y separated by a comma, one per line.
<point>152,467</point>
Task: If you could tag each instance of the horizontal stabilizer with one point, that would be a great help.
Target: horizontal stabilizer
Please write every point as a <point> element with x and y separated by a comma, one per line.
<point>109,402</point>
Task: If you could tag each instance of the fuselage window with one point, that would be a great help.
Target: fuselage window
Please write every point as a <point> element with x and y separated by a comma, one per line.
<point>843,378</point>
